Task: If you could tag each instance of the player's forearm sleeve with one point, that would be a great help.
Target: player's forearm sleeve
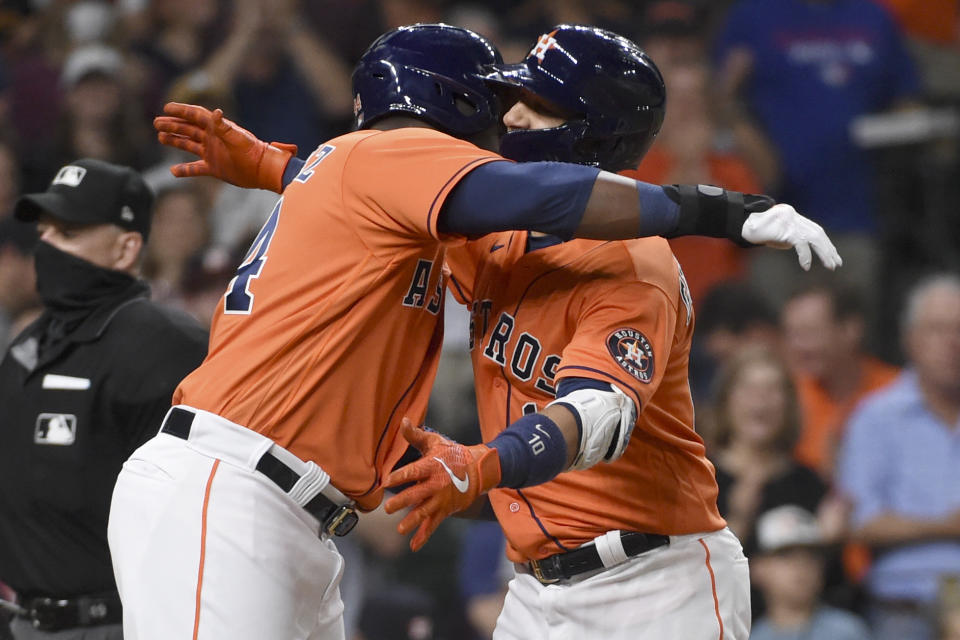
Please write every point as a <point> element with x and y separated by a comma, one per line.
<point>552,197</point>
<point>531,451</point>
<point>533,196</point>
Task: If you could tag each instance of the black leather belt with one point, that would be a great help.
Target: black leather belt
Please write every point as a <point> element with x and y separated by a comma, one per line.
<point>336,519</point>
<point>562,566</point>
<point>57,614</point>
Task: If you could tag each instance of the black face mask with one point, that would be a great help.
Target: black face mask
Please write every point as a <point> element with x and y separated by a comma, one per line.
<point>72,286</point>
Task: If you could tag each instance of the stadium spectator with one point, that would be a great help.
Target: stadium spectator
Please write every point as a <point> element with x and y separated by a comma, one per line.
<point>205,278</point>
<point>285,81</point>
<point>823,330</point>
<point>806,69</point>
<point>484,572</point>
<point>686,152</point>
<point>100,118</point>
<point>179,231</point>
<point>934,39</point>
<point>169,39</point>
<point>398,613</point>
<point>847,58</point>
<point>788,568</point>
<point>899,465</point>
<point>757,422</point>
<point>674,31</point>
<point>19,304</point>
<point>732,317</point>
<point>9,177</point>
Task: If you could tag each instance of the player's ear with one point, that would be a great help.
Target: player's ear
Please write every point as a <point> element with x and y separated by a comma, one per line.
<point>126,252</point>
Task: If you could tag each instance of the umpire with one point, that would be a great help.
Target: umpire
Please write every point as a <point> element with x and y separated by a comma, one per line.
<point>80,389</point>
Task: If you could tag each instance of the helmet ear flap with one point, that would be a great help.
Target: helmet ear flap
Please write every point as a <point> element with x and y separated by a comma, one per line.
<point>465,105</point>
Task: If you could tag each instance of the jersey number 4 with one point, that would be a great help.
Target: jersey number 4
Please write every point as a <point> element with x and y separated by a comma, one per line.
<point>239,299</point>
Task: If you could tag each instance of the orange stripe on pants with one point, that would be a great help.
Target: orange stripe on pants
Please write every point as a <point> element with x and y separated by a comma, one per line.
<point>713,587</point>
<point>203,547</point>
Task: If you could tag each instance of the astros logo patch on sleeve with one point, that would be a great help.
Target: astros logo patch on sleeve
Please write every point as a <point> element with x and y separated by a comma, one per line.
<point>632,351</point>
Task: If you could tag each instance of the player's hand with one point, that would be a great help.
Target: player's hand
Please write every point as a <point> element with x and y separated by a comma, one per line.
<point>227,151</point>
<point>782,227</point>
<point>447,479</point>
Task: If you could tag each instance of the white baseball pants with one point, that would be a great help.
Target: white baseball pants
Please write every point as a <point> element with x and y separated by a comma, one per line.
<point>205,547</point>
<point>697,588</point>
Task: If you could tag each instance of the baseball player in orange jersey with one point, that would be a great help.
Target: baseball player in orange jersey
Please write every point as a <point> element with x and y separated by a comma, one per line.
<point>294,416</point>
<point>631,549</point>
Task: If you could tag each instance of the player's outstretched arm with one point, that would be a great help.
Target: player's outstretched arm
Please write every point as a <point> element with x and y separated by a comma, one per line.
<point>577,201</point>
<point>561,199</point>
<point>227,151</point>
<point>702,210</point>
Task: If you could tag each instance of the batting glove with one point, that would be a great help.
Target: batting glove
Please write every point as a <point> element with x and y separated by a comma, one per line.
<point>227,151</point>
<point>782,227</point>
<point>447,479</point>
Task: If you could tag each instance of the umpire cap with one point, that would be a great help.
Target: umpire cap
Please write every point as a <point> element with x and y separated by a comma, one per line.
<point>90,191</point>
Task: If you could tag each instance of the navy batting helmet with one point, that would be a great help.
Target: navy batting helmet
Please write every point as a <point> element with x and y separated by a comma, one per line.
<point>615,91</point>
<point>433,72</point>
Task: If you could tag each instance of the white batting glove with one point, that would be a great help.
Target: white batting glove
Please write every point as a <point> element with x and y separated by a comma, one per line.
<point>781,227</point>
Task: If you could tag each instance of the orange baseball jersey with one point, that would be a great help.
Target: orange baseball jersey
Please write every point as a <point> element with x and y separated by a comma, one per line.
<point>613,311</point>
<point>330,332</point>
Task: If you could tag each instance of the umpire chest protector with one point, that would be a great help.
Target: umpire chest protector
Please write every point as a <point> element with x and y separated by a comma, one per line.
<point>70,415</point>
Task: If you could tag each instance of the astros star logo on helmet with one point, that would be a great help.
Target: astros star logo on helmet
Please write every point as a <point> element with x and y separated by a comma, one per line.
<point>544,44</point>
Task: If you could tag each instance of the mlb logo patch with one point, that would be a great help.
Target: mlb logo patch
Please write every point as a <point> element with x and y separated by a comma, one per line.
<point>58,429</point>
<point>70,175</point>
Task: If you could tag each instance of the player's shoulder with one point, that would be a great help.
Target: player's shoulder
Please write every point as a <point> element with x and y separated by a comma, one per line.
<point>399,156</point>
<point>652,261</point>
<point>412,138</point>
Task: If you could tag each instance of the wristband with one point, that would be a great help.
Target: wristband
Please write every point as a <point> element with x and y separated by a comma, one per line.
<point>531,450</point>
<point>273,164</point>
<point>294,167</point>
<point>710,211</point>
<point>659,215</point>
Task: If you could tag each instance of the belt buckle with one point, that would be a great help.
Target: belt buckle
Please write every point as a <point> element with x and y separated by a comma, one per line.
<point>47,614</point>
<point>538,573</point>
<point>341,521</point>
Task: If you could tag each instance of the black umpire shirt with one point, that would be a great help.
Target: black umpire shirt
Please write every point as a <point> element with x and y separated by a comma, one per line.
<point>69,417</point>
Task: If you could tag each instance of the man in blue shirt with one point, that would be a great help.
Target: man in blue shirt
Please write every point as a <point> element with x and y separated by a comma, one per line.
<point>809,68</point>
<point>900,466</point>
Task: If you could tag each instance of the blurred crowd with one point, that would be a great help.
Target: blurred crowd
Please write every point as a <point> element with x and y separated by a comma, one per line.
<point>814,391</point>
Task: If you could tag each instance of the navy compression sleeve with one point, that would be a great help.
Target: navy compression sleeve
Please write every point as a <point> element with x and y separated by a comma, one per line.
<point>535,196</point>
<point>293,169</point>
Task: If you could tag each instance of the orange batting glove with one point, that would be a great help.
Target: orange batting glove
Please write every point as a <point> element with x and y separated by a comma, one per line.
<point>447,479</point>
<point>227,151</point>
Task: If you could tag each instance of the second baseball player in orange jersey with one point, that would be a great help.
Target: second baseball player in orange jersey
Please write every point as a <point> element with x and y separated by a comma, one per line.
<point>368,202</point>
<point>329,333</point>
<point>616,312</point>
